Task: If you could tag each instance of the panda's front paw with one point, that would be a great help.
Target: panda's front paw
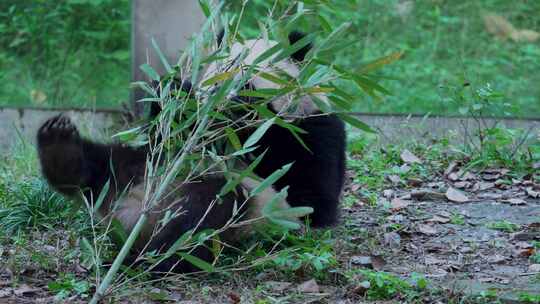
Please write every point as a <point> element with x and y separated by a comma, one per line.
<point>58,130</point>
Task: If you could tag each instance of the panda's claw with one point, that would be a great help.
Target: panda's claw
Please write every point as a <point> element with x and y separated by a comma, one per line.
<point>58,129</point>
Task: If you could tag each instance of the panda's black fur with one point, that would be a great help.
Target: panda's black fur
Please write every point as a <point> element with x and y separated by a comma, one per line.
<point>72,165</point>
<point>317,176</point>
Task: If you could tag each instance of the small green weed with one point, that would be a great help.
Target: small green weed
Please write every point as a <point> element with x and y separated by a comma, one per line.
<point>529,298</point>
<point>457,219</point>
<point>67,285</point>
<point>535,258</point>
<point>312,251</point>
<point>385,286</point>
<point>503,225</point>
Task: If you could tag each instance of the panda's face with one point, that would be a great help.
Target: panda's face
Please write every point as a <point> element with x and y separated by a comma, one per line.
<point>288,104</point>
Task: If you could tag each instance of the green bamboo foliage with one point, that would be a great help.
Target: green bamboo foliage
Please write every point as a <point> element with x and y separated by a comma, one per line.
<point>199,132</point>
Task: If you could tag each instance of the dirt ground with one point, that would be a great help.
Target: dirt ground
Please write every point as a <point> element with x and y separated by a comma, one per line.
<point>466,233</point>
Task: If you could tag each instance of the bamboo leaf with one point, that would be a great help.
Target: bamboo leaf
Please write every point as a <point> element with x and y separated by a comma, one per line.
<point>267,54</point>
<point>288,51</point>
<point>203,265</point>
<point>316,90</point>
<point>287,224</point>
<point>378,63</point>
<point>369,85</point>
<point>324,23</point>
<point>164,61</point>
<point>270,180</point>
<point>356,123</point>
<point>275,202</point>
<point>149,71</point>
<point>294,212</point>
<point>179,244</point>
<point>220,77</point>
<point>232,183</point>
<point>233,138</point>
<point>259,133</point>
<point>273,78</point>
<point>118,233</point>
<point>102,195</point>
<point>205,8</point>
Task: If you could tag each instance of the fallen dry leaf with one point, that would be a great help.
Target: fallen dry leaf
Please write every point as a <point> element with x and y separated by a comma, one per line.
<point>361,288</point>
<point>234,297</point>
<point>398,204</point>
<point>25,290</point>
<point>527,252</point>
<point>445,214</point>
<point>364,261</point>
<point>498,25</point>
<point>533,268</point>
<point>392,240</point>
<point>377,262</point>
<point>490,195</point>
<point>532,193</point>
<point>482,186</point>
<point>524,245</point>
<point>38,96</point>
<point>415,182</point>
<point>277,286</point>
<point>525,36</point>
<point>395,179</point>
<point>310,286</point>
<point>451,167</point>
<point>456,196</point>
<point>431,260</point>
<point>453,176</point>
<point>490,177</point>
<point>439,219</point>
<point>515,201</point>
<point>426,229</point>
<point>496,259</point>
<point>427,195</point>
<point>502,28</point>
<point>388,193</point>
<point>462,185</point>
<point>5,292</point>
<point>409,158</point>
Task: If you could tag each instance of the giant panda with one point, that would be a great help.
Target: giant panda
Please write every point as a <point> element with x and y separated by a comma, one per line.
<point>73,165</point>
<point>317,175</point>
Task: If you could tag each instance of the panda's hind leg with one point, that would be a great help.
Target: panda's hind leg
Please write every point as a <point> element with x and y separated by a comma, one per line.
<point>61,154</point>
<point>316,177</point>
<point>71,163</point>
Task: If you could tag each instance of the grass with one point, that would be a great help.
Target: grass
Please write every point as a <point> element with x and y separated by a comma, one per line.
<point>445,45</point>
<point>88,81</point>
<point>39,221</point>
<point>503,225</point>
<point>66,53</point>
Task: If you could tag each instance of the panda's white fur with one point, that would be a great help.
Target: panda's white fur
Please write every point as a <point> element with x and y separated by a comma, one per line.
<point>253,49</point>
<point>128,209</point>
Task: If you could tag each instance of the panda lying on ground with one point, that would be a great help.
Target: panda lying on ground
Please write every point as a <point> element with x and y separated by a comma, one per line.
<point>74,165</point>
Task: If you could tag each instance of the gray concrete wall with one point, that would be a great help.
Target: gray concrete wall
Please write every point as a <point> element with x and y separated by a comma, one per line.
<point>403,128</point>
<point>171,23</point>
<point>100,125</point>
<point>17,124</point>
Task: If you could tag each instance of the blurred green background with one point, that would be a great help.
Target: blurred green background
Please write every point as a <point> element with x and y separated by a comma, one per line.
<point>76,52</point>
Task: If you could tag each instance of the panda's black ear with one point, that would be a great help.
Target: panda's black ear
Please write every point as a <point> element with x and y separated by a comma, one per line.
<point>299,55</point>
